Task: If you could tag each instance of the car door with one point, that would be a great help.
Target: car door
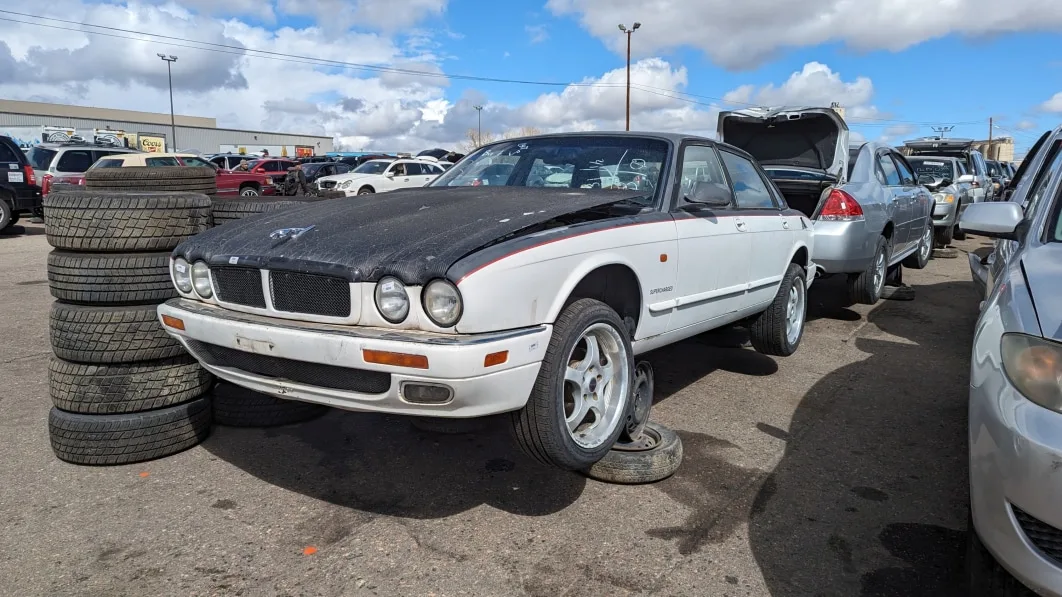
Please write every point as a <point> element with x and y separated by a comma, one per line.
<point>431,172</point>
<point>400,178</point>
<point>714,245</point>
<point>756,204</point>
<point>896,209</point>
<point>917,207</point>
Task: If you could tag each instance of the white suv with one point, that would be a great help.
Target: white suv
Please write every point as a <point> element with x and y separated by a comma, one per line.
<point>51,161</point>
<point>380,176</point>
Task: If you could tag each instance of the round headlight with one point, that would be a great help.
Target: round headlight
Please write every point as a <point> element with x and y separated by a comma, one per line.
<point>201,279</point>
<point>182,275</point>
<point>442,303</point>
<point>392,300</point>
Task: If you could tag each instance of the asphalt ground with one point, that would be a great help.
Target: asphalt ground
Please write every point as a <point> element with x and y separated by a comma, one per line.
<point>838,471</point>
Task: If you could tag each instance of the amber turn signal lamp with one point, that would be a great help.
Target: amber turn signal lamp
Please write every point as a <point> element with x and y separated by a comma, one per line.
<point>495,358</point>
<point>172,322</point>
<point>395,359</point>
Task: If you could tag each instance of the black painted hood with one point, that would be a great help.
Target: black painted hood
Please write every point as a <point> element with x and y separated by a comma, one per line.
<point>415,234</point>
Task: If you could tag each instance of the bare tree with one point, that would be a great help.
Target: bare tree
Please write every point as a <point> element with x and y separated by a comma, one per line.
<point>473,139</point>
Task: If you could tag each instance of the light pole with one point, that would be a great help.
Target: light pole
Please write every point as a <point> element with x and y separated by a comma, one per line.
<point>479,125</point>
<point>629,32</point>
<point>169,72</point>
<point>942,130</point>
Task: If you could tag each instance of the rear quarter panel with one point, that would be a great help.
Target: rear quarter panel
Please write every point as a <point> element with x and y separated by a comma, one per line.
<point>529,286</point>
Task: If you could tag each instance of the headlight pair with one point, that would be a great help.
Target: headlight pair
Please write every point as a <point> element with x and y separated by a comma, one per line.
<point>441,300</point>
<point>188,277</point>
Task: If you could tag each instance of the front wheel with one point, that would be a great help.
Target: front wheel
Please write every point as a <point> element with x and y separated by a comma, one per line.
<point>578,406</point>
<point>366,191</point>
<point>920,258</point>
<point>7,215</point>
<point>778,330</point>
<point>249,192</point>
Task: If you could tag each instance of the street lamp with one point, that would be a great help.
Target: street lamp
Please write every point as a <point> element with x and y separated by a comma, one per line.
<point>169,72</point>
<point>629,32</point>
<point>479,129</point>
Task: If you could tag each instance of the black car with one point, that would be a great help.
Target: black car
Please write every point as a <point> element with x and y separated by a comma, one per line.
<point>19,193</point>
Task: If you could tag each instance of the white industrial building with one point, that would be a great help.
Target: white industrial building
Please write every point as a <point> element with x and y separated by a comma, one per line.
<point>29,123</point>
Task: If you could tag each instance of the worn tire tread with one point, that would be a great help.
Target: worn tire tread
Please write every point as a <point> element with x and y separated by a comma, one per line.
<point>101,335</point>
<point>121,222</point>
<point>110,278</point>
<point>126,387</point>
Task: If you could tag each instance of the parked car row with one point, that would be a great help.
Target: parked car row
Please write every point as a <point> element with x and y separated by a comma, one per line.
<point>1015,408</point>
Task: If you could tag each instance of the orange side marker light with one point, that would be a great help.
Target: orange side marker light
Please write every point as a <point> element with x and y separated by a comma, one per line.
<point>663,258</point>
<point>309,551</point>
<point>395,359</point>
<point>173,322</point>
<point>495,358</point>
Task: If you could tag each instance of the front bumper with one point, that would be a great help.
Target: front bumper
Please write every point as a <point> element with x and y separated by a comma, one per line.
<point>454,361</point>
<point>1016,478</point>
<point>843,247</point>
<point>945,214</point>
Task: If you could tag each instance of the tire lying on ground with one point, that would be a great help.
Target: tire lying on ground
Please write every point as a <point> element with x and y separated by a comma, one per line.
<point>227,210</point>
<point>237,406</point>
<point>110,278</point>
<point>646,466</point>
<point>197,179</point>
<point>128,438</point>
<point>109,221</point>
<point>99,335</point>
<point>126,387</point>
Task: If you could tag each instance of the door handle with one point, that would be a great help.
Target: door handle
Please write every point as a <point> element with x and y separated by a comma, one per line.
<point>785,224</point>
<point>741,225</point>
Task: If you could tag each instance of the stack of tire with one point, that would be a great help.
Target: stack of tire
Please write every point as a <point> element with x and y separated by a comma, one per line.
<point>123,390</point>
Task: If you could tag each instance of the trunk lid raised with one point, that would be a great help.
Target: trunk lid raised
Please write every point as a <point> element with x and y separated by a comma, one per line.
<point>798,137</point>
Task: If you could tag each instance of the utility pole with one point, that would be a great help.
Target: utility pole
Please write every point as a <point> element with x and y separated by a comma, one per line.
<point>169,72</point>
<point>990,127</point>
<point>479,125</point>
<point>942,130</point>
<point>629,32</point>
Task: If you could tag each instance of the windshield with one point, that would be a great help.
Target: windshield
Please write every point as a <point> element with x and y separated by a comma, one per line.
<point>993,169</point>
<point>373,167</point>
<point>194,161</point>
<point>936,168</point>
<point>40,158</point>
<point>584,161</point>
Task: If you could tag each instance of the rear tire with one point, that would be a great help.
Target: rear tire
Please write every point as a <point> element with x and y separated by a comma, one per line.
<point>958,233</point>
<point>866,287</point>
<point>542,428</point>
<point>942,236</point>
<point>128,438</point>
<point>778,330</point>
<point>7,215</point>
<point>920,258</point>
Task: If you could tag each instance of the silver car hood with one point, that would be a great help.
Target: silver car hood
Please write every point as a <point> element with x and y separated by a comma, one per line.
<point>1043,269</point>
<point>804,137</point>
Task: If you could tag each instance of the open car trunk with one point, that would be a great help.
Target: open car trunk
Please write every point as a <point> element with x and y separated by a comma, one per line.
<point>804,150</point>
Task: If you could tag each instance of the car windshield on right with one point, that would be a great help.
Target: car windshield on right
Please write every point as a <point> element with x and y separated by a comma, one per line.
<point>571,161</point>
<point>939,169</point>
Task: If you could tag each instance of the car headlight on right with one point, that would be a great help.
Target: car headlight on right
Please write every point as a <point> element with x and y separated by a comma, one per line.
<point>442,303</point>
<point>944,198</point>
<point>1034,366</point>
<point>181,271</point>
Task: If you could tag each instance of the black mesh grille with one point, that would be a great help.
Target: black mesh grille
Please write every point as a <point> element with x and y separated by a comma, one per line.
<point>328,184</point>
<point>1045,537</point>
<point>239,286</point>
<point>312,374</point>
<point>313,294</point>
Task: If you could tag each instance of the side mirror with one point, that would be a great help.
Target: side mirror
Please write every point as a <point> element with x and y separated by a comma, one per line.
<point>994,220</point>
<point>926,179</point>
<point>389,174</point>
<point>966,178</point>
<point>710,194</point>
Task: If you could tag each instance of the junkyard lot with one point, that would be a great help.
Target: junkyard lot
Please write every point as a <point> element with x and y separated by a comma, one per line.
<point>838,471</point>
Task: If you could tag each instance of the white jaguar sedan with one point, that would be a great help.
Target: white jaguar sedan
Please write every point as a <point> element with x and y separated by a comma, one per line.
<point>513,297</point>
<point>380,176</point>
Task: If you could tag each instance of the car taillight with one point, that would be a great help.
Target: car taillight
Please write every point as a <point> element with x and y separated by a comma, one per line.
<point>840,206</point>
<point>31,176</point>
<point>976,184</point>
<point>46,184</point>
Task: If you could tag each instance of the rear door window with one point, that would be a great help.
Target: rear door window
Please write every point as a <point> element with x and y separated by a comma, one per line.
<point>907,177</point>
<point>161,162</point>
<point>888,168</point>
<point>7,153</point>
<point>750,191</point>
<point>40,158</point>
<point>75,160</point>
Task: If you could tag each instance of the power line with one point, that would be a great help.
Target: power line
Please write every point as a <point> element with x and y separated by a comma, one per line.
<point>315,61</point>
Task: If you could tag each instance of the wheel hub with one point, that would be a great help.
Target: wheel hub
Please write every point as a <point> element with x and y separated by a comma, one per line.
<point>641,405</point>
<point>646,441</point>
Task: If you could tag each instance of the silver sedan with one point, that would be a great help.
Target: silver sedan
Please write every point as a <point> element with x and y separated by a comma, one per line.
<point>1015,409</point>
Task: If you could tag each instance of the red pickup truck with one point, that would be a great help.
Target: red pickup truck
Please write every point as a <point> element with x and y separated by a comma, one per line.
<point>231,183</point>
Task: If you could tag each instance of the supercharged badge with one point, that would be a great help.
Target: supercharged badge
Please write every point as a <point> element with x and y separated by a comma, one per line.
<point>661,290</point>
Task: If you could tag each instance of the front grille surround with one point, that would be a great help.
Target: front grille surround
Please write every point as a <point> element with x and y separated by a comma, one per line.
<point>286,294</point>
<point>362,381</point>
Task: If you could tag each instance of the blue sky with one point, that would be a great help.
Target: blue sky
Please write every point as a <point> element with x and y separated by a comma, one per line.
<point>897,67</point>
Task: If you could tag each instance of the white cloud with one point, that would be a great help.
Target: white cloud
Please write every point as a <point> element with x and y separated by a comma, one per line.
<point>814,85</point>
<point>745,34</point>
<point>1054,104</point>
<point>387,15</point>
<point>1026,125</point>
<point>537,33</point>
